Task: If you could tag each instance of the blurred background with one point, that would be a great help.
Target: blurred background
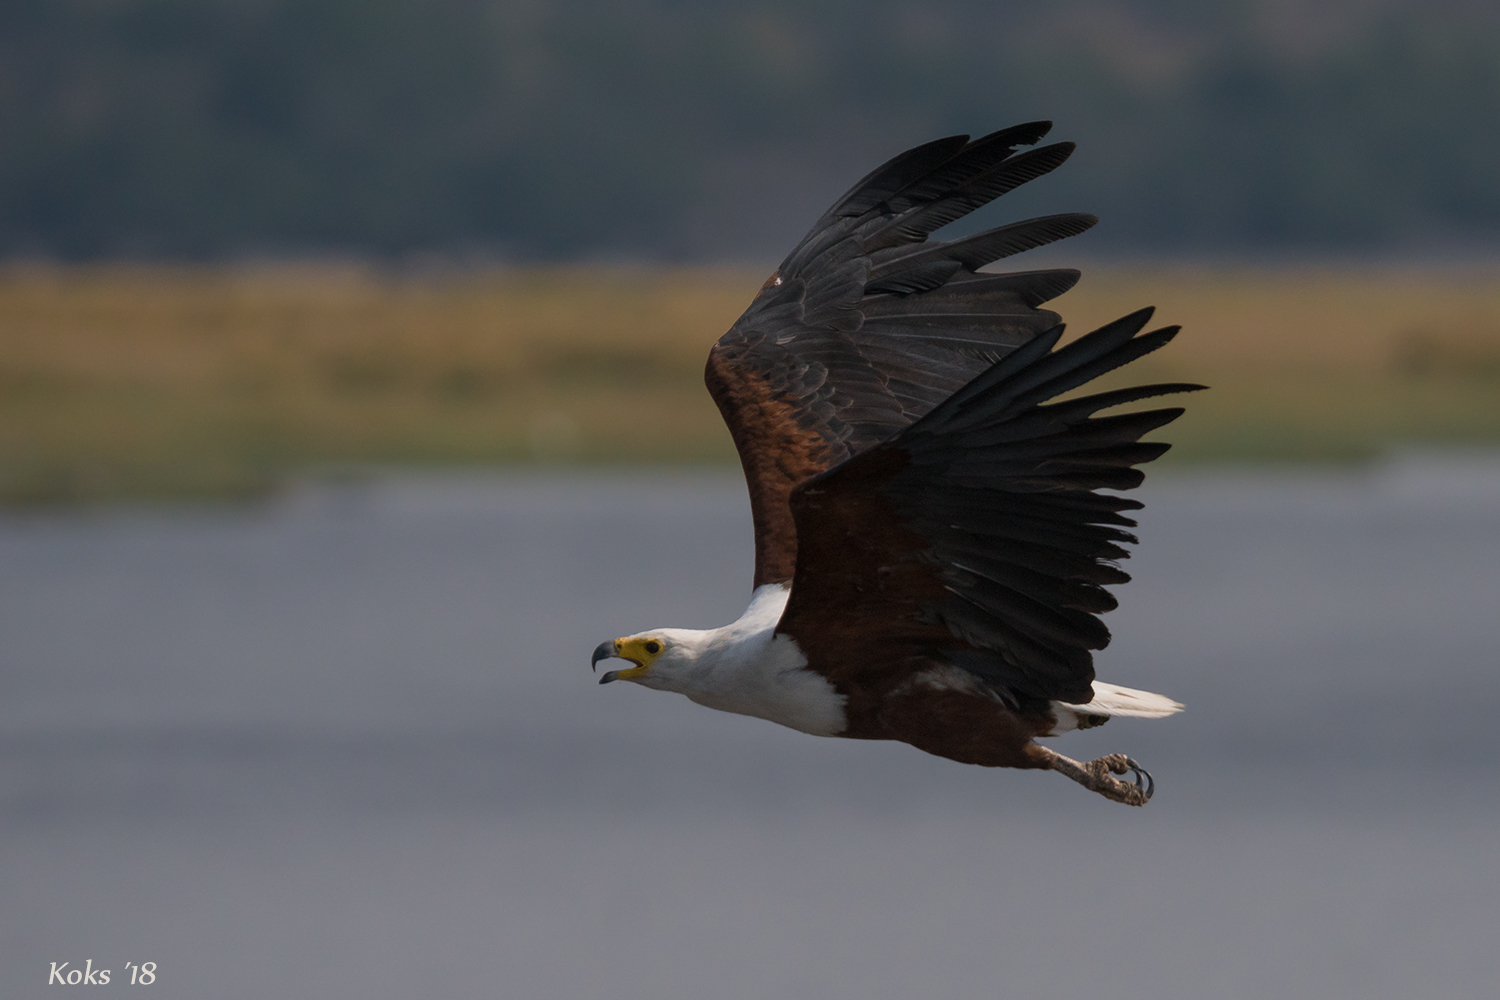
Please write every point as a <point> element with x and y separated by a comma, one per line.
<point>663,131</point>
<point>350,393</point>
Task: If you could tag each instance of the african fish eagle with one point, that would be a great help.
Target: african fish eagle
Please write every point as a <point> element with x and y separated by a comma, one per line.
<point>931,542</point>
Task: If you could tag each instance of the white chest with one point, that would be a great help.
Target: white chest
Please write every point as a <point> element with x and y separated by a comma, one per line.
<point>774,685</point>
<point>747,669</point>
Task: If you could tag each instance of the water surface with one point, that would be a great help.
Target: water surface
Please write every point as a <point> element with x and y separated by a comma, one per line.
<point>347,744</point>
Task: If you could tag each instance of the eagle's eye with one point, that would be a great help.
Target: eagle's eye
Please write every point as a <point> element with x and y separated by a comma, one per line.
<point>653,647</point>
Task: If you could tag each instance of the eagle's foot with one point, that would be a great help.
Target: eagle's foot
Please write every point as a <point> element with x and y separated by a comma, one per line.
<point>1099,775</point>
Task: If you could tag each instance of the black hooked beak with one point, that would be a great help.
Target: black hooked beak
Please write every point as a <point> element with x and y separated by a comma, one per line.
<point>604,651</point>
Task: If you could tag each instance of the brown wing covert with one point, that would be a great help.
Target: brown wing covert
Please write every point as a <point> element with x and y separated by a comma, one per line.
<point>977,537</point>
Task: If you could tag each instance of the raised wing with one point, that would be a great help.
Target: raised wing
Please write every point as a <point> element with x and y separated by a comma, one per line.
<point>866,326</point>
<point>976,537</point>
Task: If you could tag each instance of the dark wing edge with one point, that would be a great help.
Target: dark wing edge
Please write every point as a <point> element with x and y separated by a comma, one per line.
<point>866,326</point>
<point>977,537</point>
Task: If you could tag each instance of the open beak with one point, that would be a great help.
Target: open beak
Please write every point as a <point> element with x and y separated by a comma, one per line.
<point>610,650</point>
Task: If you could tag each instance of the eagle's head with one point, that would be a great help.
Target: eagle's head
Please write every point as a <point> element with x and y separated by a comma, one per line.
<point>661,657</point>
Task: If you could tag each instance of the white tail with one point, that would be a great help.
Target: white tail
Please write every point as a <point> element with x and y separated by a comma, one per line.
<point>1111,700</point>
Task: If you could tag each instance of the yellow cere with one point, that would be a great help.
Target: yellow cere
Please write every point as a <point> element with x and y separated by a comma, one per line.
<point>641,651</point>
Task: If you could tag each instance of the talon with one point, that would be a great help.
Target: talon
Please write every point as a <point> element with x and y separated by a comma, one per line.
<point>1095,775</point>
<point>1149,787</point>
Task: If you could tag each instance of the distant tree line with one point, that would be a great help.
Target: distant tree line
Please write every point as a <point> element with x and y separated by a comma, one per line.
<point>676,129</point>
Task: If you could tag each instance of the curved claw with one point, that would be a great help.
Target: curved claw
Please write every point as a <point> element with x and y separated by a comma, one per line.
<point>1149,788</point>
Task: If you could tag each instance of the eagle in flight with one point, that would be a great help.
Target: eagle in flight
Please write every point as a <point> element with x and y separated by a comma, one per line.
<point>931,540</point>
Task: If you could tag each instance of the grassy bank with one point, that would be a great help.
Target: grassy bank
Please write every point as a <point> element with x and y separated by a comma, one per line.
<point>141,382</point>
